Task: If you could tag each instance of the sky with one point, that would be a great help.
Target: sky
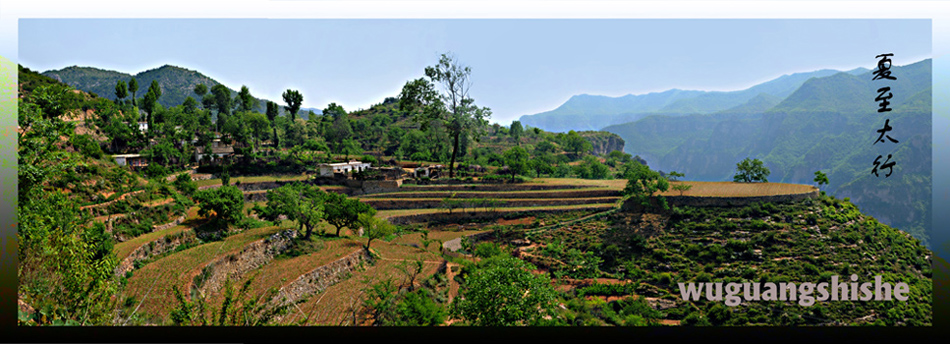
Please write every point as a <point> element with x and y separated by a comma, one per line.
<point>519,66</point>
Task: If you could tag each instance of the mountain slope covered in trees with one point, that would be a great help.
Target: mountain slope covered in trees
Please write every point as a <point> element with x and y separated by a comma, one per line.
<point>828,124</point>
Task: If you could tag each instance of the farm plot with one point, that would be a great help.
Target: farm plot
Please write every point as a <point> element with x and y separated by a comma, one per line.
<point>733,189</point>
<point>336,304</point>
<point>152,284</point>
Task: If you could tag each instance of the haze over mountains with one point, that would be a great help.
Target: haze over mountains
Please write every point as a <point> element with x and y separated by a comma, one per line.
<point>592,112</point>
<point>828,122</point>
<point>176,83</point>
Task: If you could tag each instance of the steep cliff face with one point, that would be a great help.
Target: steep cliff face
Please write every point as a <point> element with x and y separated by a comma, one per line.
<point>603,142</point>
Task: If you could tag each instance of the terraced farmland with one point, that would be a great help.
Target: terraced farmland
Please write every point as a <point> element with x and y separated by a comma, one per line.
<point>424,205</point>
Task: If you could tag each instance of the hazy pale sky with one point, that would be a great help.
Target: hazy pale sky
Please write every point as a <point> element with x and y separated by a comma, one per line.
<point>519,66</point>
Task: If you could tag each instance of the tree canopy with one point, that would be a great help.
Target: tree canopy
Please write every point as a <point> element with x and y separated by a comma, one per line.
<point>294,100</point>
<point>222,206</point>
<point>502,291</point>
<point>453,108</point>
<point>298,202</point>
<point>642,182</point>
<point>750,171</point>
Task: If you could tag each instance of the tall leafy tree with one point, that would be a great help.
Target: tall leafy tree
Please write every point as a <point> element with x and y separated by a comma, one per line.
<point>516,130</point>
<point>453,108</point>
<point>272,111</point>
<point>246,102</point>
<point>133,87</point>
<point>294,100</point>
<point>151,99</point>
<point>121,91</point>
<point>222,102</point>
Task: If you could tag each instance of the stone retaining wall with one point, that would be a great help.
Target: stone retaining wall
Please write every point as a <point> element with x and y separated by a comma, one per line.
<point>233,266</point>
<point>694,201</point>
<point>380,204</point>
<point>322,277</point>
<point>491,187</point>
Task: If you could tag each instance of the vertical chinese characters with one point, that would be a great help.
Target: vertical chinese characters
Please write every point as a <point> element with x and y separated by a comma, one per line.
<point>884,94</point>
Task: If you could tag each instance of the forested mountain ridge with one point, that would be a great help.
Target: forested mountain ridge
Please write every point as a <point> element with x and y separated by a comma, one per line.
<point>828,124</point>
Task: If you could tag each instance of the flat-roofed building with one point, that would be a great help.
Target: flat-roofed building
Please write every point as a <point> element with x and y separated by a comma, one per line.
<point>327,170</point>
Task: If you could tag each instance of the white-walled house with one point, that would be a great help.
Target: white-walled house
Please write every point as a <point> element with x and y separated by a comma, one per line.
<point>218,150</point>
<point>327,170</point>
<point>134,160</point>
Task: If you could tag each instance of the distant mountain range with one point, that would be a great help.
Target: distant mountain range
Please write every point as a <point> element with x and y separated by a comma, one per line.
<point>176,83</point>
<point>828,123</point>
<point>591,112</point>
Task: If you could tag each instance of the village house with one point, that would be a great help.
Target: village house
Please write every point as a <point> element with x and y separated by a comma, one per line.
<point>327,170</point>
<point>219,150</point>
<point>133,160</point>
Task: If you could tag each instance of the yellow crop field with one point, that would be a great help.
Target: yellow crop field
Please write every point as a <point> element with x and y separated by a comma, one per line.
<point>153,282</point>
<point>733,189</point>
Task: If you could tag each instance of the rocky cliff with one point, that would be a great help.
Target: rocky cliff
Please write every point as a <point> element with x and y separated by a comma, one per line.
<point>603,142</point>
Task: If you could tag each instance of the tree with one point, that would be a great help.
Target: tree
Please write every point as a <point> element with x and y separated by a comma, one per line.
<point>541,164</point>
<point>502,291</point>
<point>246,102</point>
<point>133,87</point>
<point>642,182</point>
<point>272,112</point>
<point>821,178</point>
<point>121,91</point>
<point>682,188</point>
<point>340,130</point>
<point>223,206</point>
<point>374,228</point>
<point>454,109</point>
<point>222,102</point>
<point>298,202</point>
<point>294,100</point>
<point>517,160</point>
<point>257,124</point>
<point>675,175</point>
<point>344,212</point>
<point>516,130</point>
<point>151,98</point>
<point>189,105</point>
<point>201,90</point>
<point>185,185</point>
<point>751,170</point>
<point>573,142</point>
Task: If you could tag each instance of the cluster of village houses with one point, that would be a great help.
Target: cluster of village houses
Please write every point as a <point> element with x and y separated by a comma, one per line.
<point>220,150</point>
